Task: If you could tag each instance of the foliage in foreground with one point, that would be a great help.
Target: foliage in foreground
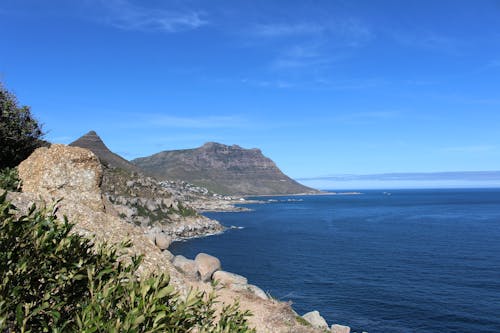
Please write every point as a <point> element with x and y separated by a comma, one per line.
<point>9,179</point>
<point>20,133</point>
<point>56,281</point>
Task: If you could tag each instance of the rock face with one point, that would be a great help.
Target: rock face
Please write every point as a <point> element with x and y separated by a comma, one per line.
<point>65,172</point>
<point>93,142</point>
<point>206,265</point>
<point>315,319</point>
<point>74,174</point>
<point>230,170</point>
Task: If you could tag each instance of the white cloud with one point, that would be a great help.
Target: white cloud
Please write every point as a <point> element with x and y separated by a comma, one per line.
<point>125,15</point>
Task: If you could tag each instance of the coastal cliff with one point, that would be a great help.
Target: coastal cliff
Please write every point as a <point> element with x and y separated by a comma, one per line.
<point>73,176</point>
<point>229,170</point>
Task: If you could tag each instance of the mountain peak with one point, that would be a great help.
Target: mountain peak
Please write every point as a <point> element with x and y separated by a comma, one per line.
<point>93,142</point>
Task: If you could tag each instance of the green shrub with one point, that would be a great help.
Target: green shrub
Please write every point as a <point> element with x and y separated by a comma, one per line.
<point>20,133</point>
<point>186,211</point>
<point>9,179</point>
<point>53,280</point>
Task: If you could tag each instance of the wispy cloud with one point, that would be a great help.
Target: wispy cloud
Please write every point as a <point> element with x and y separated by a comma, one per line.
<point>202,122</point>
<point>280,84</point>
<point>494,64</point>
<point>285,30</point>
<point>350,29</point>
<point>428,40</point>
<point>317,83</point>
<point>306,44</point>
<point>370,115</point>
<point>300,56</point>
<point>125,15</point>
<point>470,149</point>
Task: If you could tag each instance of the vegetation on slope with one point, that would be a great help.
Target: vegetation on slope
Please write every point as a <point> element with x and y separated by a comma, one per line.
<point>9,179</point>
<point>57,281</point>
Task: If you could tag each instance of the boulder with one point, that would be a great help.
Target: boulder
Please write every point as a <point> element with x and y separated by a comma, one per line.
<point>61,171</point>
<point>187,266</point>
<point>162,240</point>
<point>206,265</point>
<point>257,291</point>
<point>340,329</point>
<point>228,279</point>
<point>315,319</point>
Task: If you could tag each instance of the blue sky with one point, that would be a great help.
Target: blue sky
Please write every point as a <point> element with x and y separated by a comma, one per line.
<point>322,87</point>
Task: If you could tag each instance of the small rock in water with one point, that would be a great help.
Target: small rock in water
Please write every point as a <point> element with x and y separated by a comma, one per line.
<point>315,319</point>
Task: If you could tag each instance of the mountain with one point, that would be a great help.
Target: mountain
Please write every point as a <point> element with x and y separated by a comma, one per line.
<point>93,142</point>
<point>229,170</point>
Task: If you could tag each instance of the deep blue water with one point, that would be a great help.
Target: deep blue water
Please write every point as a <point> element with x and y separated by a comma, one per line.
<point>413,261</point>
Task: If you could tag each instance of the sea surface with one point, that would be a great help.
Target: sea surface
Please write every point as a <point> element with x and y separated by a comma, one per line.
<point>381,261</point>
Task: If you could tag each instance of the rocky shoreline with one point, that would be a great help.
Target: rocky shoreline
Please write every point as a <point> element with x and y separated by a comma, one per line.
<point>74,178</point>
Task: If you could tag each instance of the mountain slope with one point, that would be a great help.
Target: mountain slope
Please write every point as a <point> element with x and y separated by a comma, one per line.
<point>93,142</point>
<point>230,170</point>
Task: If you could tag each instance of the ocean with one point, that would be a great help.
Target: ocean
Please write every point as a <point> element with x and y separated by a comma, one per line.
<point>380,261</point>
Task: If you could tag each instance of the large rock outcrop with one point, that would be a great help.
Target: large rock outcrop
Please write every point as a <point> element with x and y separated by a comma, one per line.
<point>230,170</point>
<point>70,173</point>
<point>74,175</point>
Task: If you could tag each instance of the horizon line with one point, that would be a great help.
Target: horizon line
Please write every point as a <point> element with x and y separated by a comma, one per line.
<point>412,176</point>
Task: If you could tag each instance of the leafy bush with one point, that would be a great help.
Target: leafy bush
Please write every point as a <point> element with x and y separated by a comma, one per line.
<point>20,133</point>
<point>9,179</point>
<point>55,280</point>
<point>185,211</point>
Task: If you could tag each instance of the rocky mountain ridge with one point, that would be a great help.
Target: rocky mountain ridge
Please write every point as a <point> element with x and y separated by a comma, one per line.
<point>168,210</point>
<point>230,170</point>
<point>94,143</point>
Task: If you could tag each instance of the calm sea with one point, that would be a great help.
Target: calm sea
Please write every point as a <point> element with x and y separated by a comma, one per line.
<point>382,261</point>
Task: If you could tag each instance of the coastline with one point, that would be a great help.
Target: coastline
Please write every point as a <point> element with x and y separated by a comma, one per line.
<point>322,193</point>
